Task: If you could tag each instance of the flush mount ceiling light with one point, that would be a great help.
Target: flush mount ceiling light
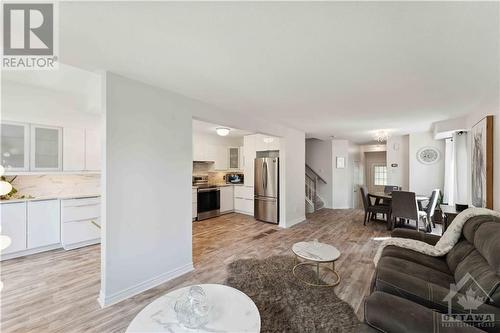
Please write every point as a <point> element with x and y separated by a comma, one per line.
<point>381,136</point>
<point>222,131</point>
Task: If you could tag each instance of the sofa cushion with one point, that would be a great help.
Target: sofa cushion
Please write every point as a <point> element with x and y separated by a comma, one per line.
<point>389,313</point>
<point>487,242</point>
<point>461,250</point>
<point>479,269</point>
<point>470,227</point>
<point>437,263</point>
<point>417,270</point>
<point>415,289</point>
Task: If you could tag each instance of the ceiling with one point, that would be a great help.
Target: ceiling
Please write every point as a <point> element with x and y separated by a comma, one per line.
<point>345,69</point>
<point>209,128</point>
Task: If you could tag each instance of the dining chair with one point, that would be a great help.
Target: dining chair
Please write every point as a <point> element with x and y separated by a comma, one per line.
<point>431,206</point>
<point>404,206</point>
<point>371,208</point>
<point>390,188</point>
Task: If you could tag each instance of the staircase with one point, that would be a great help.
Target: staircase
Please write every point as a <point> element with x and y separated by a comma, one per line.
<point>313,200</point>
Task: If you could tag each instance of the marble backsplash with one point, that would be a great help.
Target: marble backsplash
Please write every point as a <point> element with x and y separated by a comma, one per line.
<point>215,177</point>
<point>202,168</point>
<point>58,185</point>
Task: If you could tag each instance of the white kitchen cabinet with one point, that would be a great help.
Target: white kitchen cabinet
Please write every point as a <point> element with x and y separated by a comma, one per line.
<point>14,226</point>
<point>244,206</point>
<point>243,199</point>
<point>43,223</point>
<point>46,148</point>
<point>73,149</point>
<point>226,199</point>
<point>15,146</point>
<point>92,150</point>
<point>80,222</point>
<point>195,204</point>
<point>198,152</point>
<point>249,155</point>
<point>273,144</point>
<point>266,142</point>
<point>234,158</point>
<point>221,158</point>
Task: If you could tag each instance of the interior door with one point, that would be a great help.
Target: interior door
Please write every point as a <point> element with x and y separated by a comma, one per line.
<point>377,177</point>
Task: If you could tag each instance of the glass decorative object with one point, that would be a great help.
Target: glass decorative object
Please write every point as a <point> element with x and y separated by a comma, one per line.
<point>192,309</point>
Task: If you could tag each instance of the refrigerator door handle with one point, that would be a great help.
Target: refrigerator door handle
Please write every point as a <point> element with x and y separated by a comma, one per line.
<point>265,176</point>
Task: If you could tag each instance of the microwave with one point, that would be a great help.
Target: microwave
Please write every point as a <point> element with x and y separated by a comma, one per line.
<point>234,178</point>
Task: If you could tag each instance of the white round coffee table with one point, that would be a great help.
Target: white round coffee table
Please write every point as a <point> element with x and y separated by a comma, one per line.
<point>316,253</point>
<point>232,311</point>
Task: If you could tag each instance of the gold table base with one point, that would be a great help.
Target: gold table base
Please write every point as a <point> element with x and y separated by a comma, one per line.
<point>317,263</point>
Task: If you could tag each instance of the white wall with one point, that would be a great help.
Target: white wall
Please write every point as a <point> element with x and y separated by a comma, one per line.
<point>319,158</point>
<point>425,178</point>
<point>218,140</point>
<point>397,153</point>
<point>33,104</point>
<point>342,179</point>
<point>292,177</point>
<point>147,228</point>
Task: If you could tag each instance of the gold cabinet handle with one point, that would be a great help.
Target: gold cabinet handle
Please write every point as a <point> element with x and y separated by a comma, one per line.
<point>94,223</point>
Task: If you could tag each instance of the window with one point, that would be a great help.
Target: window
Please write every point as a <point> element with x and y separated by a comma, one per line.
<point>380,175</point>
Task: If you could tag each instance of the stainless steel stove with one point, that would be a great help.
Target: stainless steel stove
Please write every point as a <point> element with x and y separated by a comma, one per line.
<point>208,198</point>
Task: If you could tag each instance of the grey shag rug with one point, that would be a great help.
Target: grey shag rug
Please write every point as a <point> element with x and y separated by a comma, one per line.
<point>287,305</point>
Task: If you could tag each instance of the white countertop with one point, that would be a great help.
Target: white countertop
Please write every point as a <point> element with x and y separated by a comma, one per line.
<point>55,197</point>
<point>222,185</point>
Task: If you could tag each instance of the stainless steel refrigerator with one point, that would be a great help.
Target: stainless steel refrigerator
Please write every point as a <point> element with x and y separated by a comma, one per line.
<point>266,189</point>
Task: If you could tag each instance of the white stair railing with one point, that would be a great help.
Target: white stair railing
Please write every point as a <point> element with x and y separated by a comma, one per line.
<point>311,184</point>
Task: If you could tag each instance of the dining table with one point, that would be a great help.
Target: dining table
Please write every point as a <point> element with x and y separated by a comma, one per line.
<point>381,196</point>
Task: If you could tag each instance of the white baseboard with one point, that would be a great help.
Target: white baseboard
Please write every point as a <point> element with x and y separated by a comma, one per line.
<point>105,301</point>
<point>243,212</point>
<point>23,253</point>
<point>81,244</point>
<point>294,222</point>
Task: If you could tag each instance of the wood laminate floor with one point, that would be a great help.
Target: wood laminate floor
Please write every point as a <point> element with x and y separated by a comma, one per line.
<point>57,291</point>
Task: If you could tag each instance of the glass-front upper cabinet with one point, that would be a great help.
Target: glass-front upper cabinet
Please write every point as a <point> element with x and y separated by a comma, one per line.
<point>15,146</point>
<point>46,148</point>
<point>234,158</point>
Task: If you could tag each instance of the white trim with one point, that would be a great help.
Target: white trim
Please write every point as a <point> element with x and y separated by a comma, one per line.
<point>105,301</point>
<point>242,212</point>
<point>73,246</point>
<point>293,222</point>
<point>27,252</point>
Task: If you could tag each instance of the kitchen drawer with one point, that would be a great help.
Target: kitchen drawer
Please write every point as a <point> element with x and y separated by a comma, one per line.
<point>80,231</point>
<point>195,195</point>
<point>243,192</point>
<point>243,205</point>
<point>80,209</point>
<point>80,202</point>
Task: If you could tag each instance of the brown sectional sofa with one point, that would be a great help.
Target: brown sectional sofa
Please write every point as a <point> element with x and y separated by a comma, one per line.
<point>411,291</point>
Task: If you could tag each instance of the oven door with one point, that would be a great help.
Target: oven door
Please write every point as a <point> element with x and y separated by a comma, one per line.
<point>208,203</point>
